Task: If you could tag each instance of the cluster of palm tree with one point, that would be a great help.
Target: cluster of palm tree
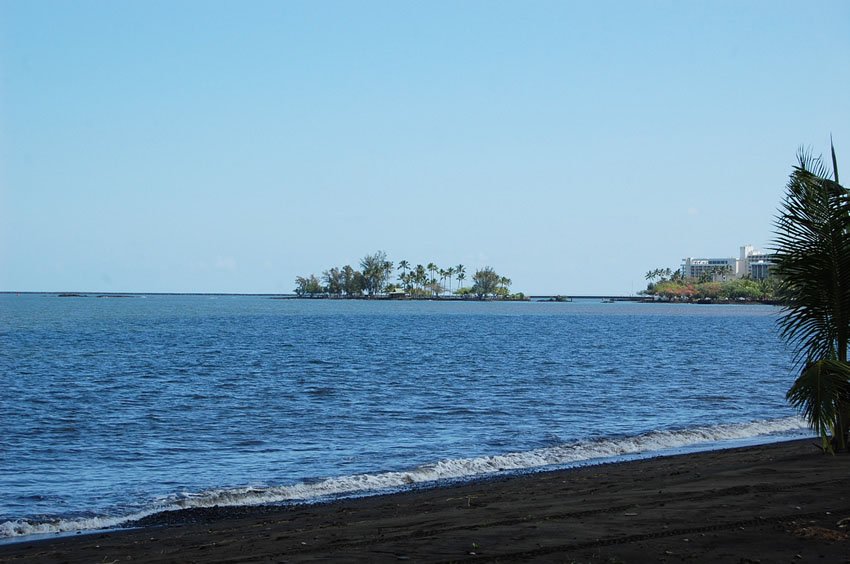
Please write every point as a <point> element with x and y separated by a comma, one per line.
<point>420,281</point>
<point>664,274</point>
<point>658,273</point>
<point>429,279</point>
<point>375,277</point>
<point>812,261</point>
<point>715,273</point>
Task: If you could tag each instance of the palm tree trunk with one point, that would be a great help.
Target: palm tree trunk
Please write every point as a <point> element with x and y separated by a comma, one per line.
<point>842,425</point>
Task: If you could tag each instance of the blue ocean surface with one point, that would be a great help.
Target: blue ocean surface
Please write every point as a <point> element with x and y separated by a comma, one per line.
<point>115,408</point>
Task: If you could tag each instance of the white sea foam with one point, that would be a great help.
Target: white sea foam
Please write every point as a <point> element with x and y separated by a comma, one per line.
<point>584,452</point>
<point>20,528</point>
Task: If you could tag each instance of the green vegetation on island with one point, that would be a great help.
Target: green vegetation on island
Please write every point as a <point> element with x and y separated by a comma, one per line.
<point>376,279</point>
<point>716,285</point>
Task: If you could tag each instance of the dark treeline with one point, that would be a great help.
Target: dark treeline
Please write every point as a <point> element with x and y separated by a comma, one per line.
<point>379,276</point>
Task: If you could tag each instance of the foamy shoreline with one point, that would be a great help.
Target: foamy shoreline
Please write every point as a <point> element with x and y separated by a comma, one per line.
<point>438,474</point>
<point>775,502</point>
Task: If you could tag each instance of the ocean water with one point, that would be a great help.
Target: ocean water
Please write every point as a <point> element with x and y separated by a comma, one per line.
<point>115,408</point>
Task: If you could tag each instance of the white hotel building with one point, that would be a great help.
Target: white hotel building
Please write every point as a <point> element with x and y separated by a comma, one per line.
<point>750,262</point>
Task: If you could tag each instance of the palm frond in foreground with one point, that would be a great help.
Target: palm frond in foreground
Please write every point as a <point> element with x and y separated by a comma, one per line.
<point>812,261</point>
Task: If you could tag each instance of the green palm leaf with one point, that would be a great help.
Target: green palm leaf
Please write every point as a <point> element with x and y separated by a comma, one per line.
<point>821,392</point>
<point>812,262</point>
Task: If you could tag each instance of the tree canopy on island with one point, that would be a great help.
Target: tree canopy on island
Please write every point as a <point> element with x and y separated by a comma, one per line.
<point>712,286</point>
<point>375,278</point>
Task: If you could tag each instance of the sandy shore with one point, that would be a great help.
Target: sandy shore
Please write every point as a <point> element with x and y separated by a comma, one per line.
<point>775,503</point>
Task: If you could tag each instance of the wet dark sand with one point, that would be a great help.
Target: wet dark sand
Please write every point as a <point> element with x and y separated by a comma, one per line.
<point>775,503</point>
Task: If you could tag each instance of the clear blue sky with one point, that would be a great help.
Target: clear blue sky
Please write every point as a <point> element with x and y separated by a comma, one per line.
<point>230,146</point>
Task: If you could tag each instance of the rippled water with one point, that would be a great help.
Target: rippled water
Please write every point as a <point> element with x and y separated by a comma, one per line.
<point>114,407</point>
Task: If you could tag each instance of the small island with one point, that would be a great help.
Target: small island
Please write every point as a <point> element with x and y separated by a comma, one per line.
<point>374,280</point>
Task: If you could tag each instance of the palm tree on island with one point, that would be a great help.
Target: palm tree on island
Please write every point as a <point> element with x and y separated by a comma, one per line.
<point>812,261</point>
<point>461,275</point>
<point>420,277</point>
<point>432,268</point>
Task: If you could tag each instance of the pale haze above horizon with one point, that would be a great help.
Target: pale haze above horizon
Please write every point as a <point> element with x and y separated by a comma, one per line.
<point>230,147</point>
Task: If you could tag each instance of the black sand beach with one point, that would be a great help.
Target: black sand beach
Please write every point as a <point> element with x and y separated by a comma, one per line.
<point>783,502</point>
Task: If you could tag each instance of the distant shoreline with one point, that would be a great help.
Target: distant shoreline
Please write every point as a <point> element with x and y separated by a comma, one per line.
<point>290,296</point>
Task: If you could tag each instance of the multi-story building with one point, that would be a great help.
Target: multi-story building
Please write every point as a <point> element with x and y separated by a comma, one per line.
<point>750,263</point>
<point>755,264</point>
<point>714,267</point>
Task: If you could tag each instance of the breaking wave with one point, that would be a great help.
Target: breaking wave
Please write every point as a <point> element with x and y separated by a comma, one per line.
<point>565,455</point>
